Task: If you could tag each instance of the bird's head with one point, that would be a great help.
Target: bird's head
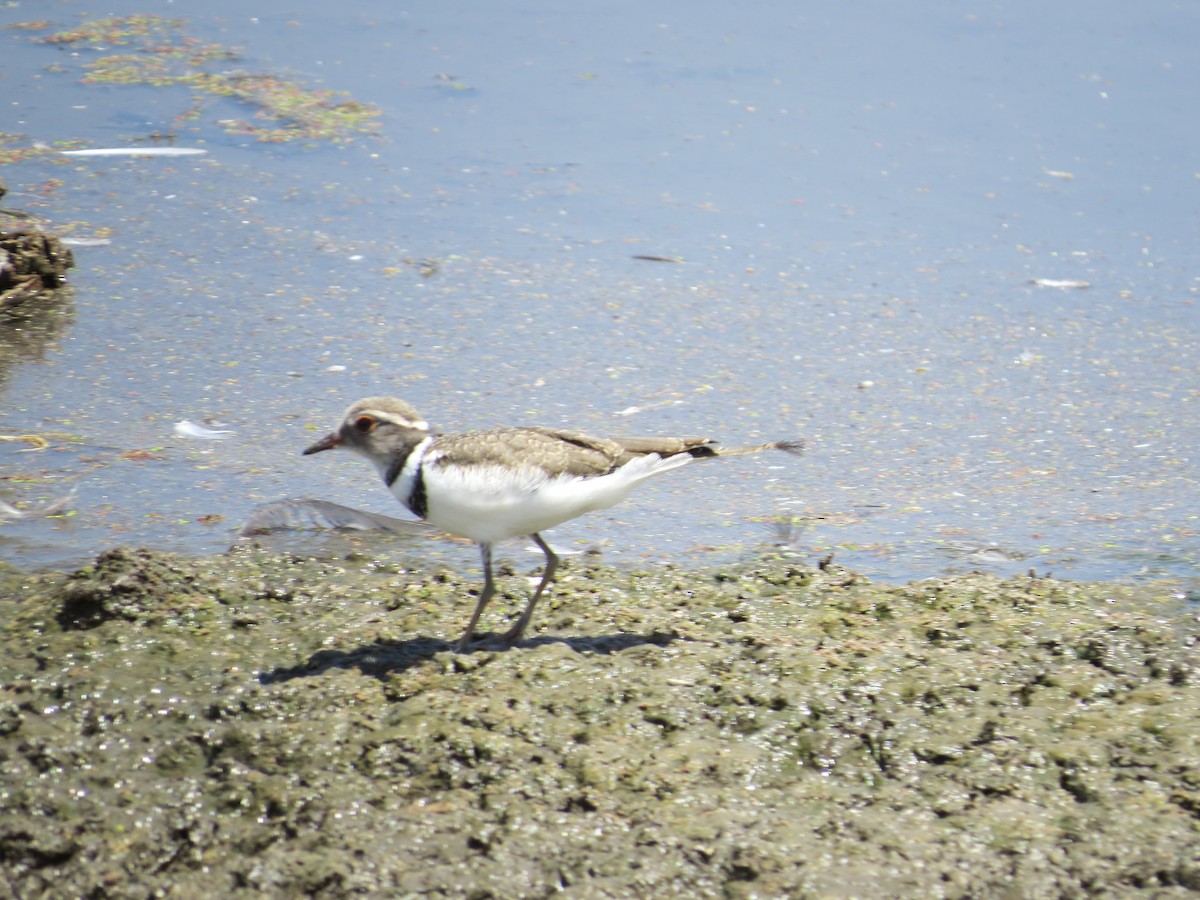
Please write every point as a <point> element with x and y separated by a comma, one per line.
<point>378,428</point>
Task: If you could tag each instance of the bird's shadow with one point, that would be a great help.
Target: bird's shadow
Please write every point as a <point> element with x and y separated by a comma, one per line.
<point>383,658</point>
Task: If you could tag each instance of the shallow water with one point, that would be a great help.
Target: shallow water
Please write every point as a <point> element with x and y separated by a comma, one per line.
<point>860,199</point>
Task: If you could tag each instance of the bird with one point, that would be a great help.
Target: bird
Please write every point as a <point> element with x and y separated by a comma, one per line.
<point>507,482</point>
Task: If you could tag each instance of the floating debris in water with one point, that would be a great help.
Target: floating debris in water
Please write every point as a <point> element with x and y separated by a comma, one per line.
<point>136,151</point>
<point>306,512</point>
<point>85,242</point>
<point>158,52</point>
<point>36,441</point>
<point>1057,283</point>
<point>980,553</point>
<point>192,430</point>
<point>9,512</point>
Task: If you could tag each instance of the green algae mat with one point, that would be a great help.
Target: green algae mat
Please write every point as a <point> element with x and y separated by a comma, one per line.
<point>258,725</point>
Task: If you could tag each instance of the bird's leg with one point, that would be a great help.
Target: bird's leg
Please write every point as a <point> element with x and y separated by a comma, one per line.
<point>489,588</point>
<point>514,634</point>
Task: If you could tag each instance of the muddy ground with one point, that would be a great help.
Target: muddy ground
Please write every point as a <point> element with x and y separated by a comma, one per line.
<point>258,725</point>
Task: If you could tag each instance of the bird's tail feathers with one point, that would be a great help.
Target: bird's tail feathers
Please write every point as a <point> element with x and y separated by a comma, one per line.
<point>698,448</point>
<point>648,464</point>
<point>794,447</point>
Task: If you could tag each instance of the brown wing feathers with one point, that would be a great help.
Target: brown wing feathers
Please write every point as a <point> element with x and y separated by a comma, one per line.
<point>572,453</point>
<point>558,452</point>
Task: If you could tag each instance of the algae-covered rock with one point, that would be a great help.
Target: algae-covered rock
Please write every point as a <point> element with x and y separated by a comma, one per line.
<point>300,727</point>
<point>131,584</point>
<point>31,262</point>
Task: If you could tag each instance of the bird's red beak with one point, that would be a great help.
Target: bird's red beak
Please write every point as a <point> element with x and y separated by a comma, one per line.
<point>326,443</point>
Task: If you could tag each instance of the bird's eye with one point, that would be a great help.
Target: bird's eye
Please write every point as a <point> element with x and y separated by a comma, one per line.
<point>364,423</point>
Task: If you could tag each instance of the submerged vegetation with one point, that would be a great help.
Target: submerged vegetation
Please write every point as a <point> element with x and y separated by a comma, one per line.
<point>155,51</point>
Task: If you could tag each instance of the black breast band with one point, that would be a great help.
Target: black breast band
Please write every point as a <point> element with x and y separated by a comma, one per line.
<point>417,501</point>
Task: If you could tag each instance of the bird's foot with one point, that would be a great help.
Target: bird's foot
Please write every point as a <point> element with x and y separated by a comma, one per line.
<point>513,635</point>
<point>490,641</point>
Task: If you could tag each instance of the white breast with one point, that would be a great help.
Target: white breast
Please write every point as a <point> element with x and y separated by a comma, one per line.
<point>492,503</point>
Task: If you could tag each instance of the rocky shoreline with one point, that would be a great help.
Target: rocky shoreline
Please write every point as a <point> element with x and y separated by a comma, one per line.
<point>257,724</point>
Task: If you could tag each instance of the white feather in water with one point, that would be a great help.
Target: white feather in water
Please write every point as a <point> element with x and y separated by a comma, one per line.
<point>137,151</point>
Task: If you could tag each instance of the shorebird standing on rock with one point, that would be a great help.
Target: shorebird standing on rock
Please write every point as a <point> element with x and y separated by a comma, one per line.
<point>508,482</point>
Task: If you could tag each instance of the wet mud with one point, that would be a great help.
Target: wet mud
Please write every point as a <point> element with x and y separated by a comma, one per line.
<point>255,724</point>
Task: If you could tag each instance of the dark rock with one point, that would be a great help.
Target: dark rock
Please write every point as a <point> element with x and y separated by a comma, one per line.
<point>31,262</point>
